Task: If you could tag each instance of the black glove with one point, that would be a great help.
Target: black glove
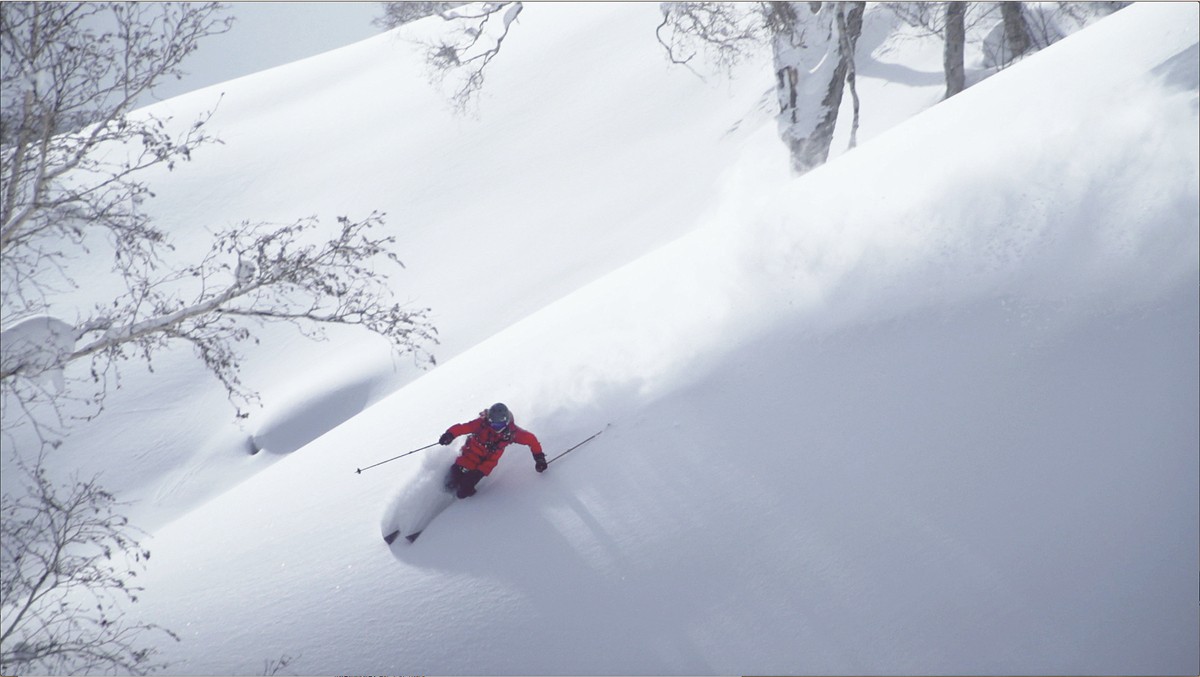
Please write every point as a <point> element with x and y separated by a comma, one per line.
<point>446,438</point>
<point>540,463</point>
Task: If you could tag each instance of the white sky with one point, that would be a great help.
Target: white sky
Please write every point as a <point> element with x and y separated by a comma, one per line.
<point>268,34</point>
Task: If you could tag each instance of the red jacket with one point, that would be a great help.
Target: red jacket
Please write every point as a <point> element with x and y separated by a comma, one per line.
<point>484,447</point>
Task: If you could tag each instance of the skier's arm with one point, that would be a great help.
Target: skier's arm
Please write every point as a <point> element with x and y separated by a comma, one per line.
<point>528,439</point>
<point>459,429</point>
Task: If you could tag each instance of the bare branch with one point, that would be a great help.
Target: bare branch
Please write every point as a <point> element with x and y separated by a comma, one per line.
<point>725,32</point>
<point>72,156</point>
<point>274,666</point>
<point>67,92</point>
<point>474,35</point>
<point>257,272</point>
<point>399,13</point>
<point>67,560</point>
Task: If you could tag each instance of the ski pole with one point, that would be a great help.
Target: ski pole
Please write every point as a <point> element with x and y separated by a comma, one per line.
<point>576,446</point>
<point>407,453</point>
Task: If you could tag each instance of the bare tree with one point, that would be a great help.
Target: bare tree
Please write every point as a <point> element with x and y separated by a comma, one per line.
<point>812,44</point>
<point>849,30</point>
<point>73,158</point>
<point>1017,39</point>
<point>68,562</point>
<point>399,13</point>
<point>458,59</point>
<point>951,22</point>
<point>725,33</point>
<point>1004,30</point>
<point>72,155</point>
<point>1047,23</point>
<point>252,273</point>
<point>811,64</point>
<point>954,50</point>
<point>67,92</point>
<point>802,35</point>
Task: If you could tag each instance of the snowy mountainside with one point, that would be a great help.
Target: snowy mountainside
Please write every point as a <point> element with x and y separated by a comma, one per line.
<point>494,219</point>
<point>483,245</point>
<point>930,408</point>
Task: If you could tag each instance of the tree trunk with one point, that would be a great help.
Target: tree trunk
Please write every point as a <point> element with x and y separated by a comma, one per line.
<point>810,74</point>
<point>1017,39</point>
<point>955,42</point>
<point>850,28</point>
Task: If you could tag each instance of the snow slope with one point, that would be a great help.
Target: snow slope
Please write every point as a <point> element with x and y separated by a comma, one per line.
<point>928,409</point>
<point>495,218</point>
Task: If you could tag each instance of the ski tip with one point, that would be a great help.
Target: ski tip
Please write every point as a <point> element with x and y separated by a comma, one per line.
<point>412,537</point>
<point>391,538</point>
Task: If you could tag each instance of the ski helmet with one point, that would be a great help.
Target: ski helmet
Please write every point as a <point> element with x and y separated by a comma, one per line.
<point>498,416</point>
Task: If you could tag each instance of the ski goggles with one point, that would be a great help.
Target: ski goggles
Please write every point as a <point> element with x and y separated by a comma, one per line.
<point>498,425</point>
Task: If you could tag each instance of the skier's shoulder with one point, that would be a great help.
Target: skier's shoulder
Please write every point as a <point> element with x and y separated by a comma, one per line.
<point>467,426</point>
<point>520,434</point>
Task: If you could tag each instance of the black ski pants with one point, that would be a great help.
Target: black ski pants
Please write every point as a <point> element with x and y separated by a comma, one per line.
<point>462,481</point>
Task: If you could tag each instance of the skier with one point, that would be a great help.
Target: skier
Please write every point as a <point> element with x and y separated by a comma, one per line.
<point>489,435</point>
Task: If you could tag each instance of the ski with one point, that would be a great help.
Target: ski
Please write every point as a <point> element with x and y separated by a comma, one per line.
<point>391,538</point>
<point>443,502</point>
<point>395,536</point>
